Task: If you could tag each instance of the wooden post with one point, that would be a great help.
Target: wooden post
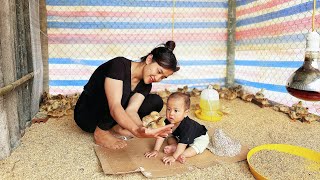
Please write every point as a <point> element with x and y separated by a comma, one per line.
<point>22,44</point>
<point>44,44</point>
<point>231,42</point>
<point>9,120</point>
<point>37,81</point>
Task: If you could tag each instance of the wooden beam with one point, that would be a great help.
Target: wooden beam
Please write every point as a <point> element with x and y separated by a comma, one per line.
<point>12,86</point>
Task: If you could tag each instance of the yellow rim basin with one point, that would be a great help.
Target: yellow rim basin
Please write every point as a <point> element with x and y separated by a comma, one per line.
<point>286,148</point>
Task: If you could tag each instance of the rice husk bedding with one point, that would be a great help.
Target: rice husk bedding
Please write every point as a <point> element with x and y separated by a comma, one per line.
<point>280,165</point>
<point>58,149</point>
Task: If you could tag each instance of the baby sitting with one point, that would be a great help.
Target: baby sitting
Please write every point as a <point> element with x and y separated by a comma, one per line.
<point>188,139</point>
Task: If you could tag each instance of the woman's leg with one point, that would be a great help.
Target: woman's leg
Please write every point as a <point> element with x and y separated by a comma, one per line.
<point>152,102</point>
<point>108,131</point>
<point>121,131</point>
<point>106,139</point>
<point>84,114</point>
<point>90,120</point>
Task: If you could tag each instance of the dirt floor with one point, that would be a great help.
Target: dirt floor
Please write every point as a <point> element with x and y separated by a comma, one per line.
<point>58,149</point>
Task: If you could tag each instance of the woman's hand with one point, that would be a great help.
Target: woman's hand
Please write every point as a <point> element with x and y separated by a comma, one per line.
<point>150,154</point>
<point>168,160</point>
<point>164,131</point>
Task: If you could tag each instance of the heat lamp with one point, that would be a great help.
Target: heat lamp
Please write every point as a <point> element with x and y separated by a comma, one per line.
<point>304,83</point>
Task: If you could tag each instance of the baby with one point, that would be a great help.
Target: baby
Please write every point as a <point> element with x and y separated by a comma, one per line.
<point>188,139</point>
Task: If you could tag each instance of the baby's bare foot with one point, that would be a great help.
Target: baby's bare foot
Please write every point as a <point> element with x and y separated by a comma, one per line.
<point>181,159</point>
<point>169,149</point>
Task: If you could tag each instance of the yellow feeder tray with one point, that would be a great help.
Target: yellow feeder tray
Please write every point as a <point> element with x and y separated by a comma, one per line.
<point>213,118</point>
<point>286,148</point>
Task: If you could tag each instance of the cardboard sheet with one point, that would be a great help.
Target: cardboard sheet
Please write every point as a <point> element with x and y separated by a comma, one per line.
<point>131,159</point>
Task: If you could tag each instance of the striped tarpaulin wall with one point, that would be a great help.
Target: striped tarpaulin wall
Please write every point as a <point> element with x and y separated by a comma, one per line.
<point>270,45</point>
<point>86,33</point>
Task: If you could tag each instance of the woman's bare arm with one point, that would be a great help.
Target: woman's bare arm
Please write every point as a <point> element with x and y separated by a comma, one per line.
<point>113,90</point>
<point>133,107</point>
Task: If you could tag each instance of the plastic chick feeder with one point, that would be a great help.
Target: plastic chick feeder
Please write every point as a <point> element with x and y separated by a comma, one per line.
<point>209,105</point>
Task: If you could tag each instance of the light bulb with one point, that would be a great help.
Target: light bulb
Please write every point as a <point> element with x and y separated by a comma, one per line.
<point>304,83</point>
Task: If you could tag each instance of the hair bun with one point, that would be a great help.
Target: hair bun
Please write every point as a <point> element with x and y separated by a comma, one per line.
<point>170,45</point>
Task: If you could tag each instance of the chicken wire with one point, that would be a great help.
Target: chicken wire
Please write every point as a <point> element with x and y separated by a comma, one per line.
<point>270,41</point>
<point>270,45</point>
<point>84,34</point>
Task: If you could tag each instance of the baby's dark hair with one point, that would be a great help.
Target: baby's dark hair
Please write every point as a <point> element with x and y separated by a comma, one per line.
<point>164,56</point>
<point>184,96</point>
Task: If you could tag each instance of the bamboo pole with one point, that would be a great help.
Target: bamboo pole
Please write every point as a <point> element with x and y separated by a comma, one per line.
<point>15,84</point>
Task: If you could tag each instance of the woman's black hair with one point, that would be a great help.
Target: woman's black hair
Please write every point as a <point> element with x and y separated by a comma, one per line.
<point>164,56</point>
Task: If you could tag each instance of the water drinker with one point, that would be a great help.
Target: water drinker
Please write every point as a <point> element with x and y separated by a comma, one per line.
<point>209,105</point>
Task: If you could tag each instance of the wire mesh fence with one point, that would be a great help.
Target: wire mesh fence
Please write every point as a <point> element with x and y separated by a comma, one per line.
<point>270,41</point>
<point>270,45</point>
<point>84,34</point>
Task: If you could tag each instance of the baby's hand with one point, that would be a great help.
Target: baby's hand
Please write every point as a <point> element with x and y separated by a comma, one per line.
<point>168,160</point>
<point>150,154</point>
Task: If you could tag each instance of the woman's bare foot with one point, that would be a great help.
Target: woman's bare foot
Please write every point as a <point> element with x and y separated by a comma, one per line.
<point>106,139</point>
<point>121,131</point>
<point>170,148</point>
<point>181,159</point>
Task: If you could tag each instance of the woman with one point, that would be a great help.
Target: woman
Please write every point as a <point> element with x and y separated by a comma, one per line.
<point>116,97</point>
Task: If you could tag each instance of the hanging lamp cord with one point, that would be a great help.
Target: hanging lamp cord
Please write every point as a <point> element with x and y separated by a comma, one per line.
<point>173,12</point>
<point>313,14</point>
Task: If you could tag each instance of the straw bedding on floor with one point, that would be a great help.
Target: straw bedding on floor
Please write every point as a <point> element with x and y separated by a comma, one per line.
<point>58,149</point>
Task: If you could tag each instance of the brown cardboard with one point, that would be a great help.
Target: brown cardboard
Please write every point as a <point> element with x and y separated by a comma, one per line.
<point>131,159</point>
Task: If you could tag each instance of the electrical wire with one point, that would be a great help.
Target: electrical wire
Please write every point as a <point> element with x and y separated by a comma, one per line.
<point>173,12</point>
<point>313,13</point>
